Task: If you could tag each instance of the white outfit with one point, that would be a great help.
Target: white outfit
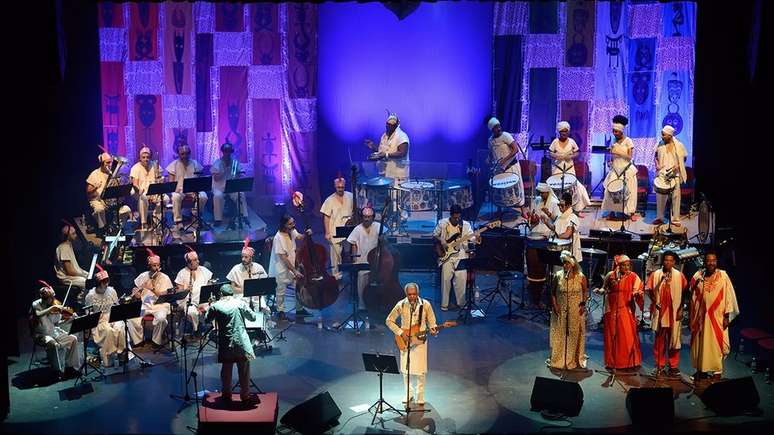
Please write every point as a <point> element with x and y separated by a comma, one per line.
<point>231,171</point>
<point>667,159</point>
<point>201,276</point>
<point>445,230</point>
<point>552,204</point>
<point>418,366</point>
<point>394,168</point>
<point>499,147</point>
<point>365,239</point>
<point>161,283</point>
<point>622,169</point>
<point>62,348</point>
<point>98,179</point>
<point>580,196</point>
<point>563,222</point>
<point>110,337</point>
<point>338,213</point>
<point>239,273</point>
<point>282,244</point>
<point>64,252</point>
<point>661,315</point>
<point>146,177</point>
<point>181,172</point>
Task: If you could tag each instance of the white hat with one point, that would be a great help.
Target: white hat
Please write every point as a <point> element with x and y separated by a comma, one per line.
<point>618,126</point>
<point>668,129</point>
<point>563,125</point>
<point>492,122</point>
<point>543,187</point>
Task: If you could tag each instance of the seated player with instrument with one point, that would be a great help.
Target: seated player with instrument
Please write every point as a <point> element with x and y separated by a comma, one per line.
<point>149,285</point>
<point>179,169</point>
<point>192,277</point>
<point>62,348</point>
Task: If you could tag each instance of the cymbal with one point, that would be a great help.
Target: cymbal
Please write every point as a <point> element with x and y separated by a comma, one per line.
<point>379,182</point>
<point>593,251</point>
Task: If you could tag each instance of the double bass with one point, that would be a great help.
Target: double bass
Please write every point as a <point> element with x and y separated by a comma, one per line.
<point>316,289</point>
<point>384,289</point>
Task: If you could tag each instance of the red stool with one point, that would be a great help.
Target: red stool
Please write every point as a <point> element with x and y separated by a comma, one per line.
<point>767,349</point>
<point>752,335</point>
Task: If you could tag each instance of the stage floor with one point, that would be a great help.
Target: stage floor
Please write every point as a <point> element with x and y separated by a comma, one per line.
<point>480,380</point>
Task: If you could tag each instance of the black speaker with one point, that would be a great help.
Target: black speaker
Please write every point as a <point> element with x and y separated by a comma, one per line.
<point>316,415</point>
<point>651,406</point>
<point>557,396</point>
<point>731,397</point>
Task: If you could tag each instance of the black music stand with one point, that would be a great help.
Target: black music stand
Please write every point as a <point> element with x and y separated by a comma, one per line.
<point>83,324</point>
<point>470,308</point>
<point>162,189</point>
<point>506,266</point>
<point>171,299</point>
<point>260,287</point>
<point>117,192</point>
<point>381,364</point>
<point>239,185</point>
<point>196,185</point>
<point>122,313</point>
<point>353,321</point>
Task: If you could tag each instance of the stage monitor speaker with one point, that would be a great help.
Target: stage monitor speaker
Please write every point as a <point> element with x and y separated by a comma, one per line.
<point>731,397</point>
<point>651,406</point>
<point>555,395</point>
<point>316,415</point>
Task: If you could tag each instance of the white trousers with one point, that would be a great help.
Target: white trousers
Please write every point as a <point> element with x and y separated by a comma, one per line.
<point>363,278</point>
<point>219,200</point>
<point>177,204</point>
<point>282,285</point>
<point>450,276</point>
<point>335,254</point>
<point>111,338</point>
<point>418,392</point>
<point>661,201</point>
<point>136,332</point>
<point>143,203</point>
<point>98,208</point>
<point>62,350</point>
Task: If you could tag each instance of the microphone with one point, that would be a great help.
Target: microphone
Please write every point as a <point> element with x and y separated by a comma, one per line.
<point>88,307</point>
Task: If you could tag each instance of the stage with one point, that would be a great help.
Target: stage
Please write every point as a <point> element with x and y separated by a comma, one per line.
<point>480,380</point>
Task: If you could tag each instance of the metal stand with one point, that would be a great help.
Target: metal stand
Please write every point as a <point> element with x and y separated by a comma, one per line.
<point>381,364</point>
<point>84,324</point>
<point>353,321</point>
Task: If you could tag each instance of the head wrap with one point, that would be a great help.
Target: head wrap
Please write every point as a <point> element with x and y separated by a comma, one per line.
<point>46,289</point>
<point>668,129</point>
<point>492,122</point>
<point>102,274</point>
<point>246,249</point>
<point>392,118</point>
<point>191,254</point>
<point>618,126</point>
<point>368,211</point>
<point>566,256</point>
<point>543,187</point>
<point>152,258</point>
<point>563,125</point>
<point>619,259</point>
<point>145,150</point>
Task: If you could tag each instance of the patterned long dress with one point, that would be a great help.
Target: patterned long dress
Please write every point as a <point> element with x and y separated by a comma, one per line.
<point>569,295</point>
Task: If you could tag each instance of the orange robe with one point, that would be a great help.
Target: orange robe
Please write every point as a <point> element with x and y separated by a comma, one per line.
<point>622,344</point>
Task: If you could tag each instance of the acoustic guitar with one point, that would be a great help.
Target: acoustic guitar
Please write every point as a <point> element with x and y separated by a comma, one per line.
<point>418,337</point>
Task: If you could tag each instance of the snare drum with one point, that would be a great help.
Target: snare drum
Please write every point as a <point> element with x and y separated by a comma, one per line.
<point>418,196</point>
<point>506,190</point>
<point>556,184</point>
<point>615,188</point>
<point>664,185</point>
<point>457,192</point>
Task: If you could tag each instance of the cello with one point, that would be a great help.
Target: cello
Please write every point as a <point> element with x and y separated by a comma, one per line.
<point>384,289</point>
<point>316,289</point>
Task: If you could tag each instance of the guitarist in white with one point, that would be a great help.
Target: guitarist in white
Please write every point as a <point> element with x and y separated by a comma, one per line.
<point>413,311</point>
<point>447,231</point>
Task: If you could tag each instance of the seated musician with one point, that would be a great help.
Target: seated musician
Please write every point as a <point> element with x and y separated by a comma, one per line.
<point>393,149</point>
<point>503,150</point>
<point>363,239</point>
<point>282,263</point>
<point>95,184</point>
<point>143,174</point>
<point>149,285</point>
<point>192,277</point>
<point>66,266</point>
<point>225,168</point>
<point>670,162</point>
<point>248,269</point>
<point>64,353</point>
<point>110,337</point>
<point>546,199</point>
<point>181,168</point>
<point>565,226</point>
<point>444,231</point>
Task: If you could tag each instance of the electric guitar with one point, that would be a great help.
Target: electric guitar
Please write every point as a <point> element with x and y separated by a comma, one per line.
<point>454,243</point>
<point>418,337</point>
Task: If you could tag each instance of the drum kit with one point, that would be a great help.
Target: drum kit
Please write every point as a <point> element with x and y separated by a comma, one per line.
<point>415,195</point>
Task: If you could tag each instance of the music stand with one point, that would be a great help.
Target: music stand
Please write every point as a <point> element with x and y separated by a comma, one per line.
<point>122,313</point>
<point>83,324</point>
<point>470,308</point>
<point>239,185</point>
<point>381,364</point>
<point>344,231</point>
<point>117,192</point>
<point>353,321</point>
<point>196,185</point>
<point>260,287</point>
<point>161,189</point>
<point>171,299</point>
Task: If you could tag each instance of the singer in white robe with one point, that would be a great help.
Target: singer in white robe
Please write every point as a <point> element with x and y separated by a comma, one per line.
<point>418,353</point>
